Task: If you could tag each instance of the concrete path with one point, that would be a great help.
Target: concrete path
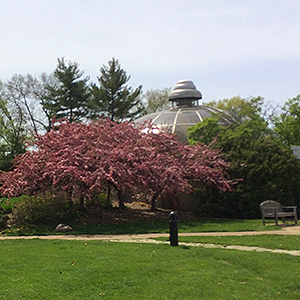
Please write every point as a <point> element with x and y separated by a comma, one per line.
<point>147,238</point>
<point>290,230</point>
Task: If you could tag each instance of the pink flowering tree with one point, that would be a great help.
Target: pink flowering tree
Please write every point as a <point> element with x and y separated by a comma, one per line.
<point>58,161</point>
<point>84,159</point>
<point>163,165</point>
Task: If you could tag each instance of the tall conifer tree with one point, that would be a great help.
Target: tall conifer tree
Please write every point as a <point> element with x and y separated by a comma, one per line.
<point>113,98</point>
<point>69,97</point>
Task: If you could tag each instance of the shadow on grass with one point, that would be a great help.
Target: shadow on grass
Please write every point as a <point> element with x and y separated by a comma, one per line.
<point>139,227</point>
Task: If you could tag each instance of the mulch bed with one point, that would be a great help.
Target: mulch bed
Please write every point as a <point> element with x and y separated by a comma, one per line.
<point>133,212</point>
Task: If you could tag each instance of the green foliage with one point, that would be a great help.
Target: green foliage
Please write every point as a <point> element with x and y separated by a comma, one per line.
<point>205,131</point>
<point>240,109</point>
<point>245,122</point>
<point>156,100</point>
<point>3,219</point>
<point>7,204</point>
<point>265,168</point>
<point>41,209</point>
<point>287,125</point>
<point>113,99</point>
<point>70,96</point>
<point>6,207</point>
<point>99,199</point>
<point>12,139</point>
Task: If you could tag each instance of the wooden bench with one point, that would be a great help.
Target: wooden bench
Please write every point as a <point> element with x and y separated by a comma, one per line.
<point>274,210</point>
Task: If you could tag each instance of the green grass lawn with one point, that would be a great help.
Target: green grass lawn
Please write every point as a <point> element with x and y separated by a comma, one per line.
<point>57,269</point>
<point>160,226</point>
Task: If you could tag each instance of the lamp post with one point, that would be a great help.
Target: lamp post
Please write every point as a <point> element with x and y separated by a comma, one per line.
<point>173,229</point>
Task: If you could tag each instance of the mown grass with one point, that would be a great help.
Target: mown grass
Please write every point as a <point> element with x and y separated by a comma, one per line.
<point>162,226</point>
<point>287,242</point>
<point>57,269</point>
<point>159,226</point>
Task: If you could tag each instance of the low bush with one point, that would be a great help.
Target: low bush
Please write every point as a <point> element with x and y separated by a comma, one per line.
<point>7,204</point>
<point>98,200</point>
<point>3,219</point>
<point>6,207</point>
<point>238,204</point>
<point>41,209</point>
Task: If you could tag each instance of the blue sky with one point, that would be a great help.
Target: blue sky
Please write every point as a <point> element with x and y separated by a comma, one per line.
<point>226,47</point>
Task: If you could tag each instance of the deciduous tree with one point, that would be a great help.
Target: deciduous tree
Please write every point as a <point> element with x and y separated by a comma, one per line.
<point>156,100</point>
<point>83,159</point>
<point>27,96</point>
<point>240,110</point>
<point>266,168</point>
<point>12,136</point>
<point>287,124</point>
<point>243,115</point>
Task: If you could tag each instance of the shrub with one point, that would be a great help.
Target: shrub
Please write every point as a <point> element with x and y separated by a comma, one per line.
<point>3,219</point>
<point>7,204</point>
<point>262,165</point>
<point>41,209</point>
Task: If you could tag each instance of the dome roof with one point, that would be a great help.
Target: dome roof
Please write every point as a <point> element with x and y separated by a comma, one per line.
<point>185,112</point>
<point>184,89</point>
<point>178,120</point>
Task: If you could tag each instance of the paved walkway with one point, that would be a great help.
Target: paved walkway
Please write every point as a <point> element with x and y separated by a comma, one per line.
<point>290,230</point>
<point>147,238</point>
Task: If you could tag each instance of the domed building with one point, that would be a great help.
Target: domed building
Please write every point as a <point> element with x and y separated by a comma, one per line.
<point>185,111</point>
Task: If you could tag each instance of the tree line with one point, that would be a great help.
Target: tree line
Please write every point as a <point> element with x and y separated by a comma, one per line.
<point>29,104</point>
<point>257,145</point>
<point>87,159</point>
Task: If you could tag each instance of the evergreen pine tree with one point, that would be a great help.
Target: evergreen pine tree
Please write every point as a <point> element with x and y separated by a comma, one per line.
<point>113,98</point>
<point>69,97</point>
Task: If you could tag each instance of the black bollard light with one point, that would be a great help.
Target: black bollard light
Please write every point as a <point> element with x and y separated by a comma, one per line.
<point>173,229</point>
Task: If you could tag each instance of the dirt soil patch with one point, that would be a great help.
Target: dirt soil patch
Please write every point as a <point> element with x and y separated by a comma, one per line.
<point>133,212</point>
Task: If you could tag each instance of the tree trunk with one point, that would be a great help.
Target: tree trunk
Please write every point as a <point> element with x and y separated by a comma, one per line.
<point>153,201</point>
<point>71,203</point>
<point>108,195</point>
<point>121,199</point>
<point>82,208</point>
